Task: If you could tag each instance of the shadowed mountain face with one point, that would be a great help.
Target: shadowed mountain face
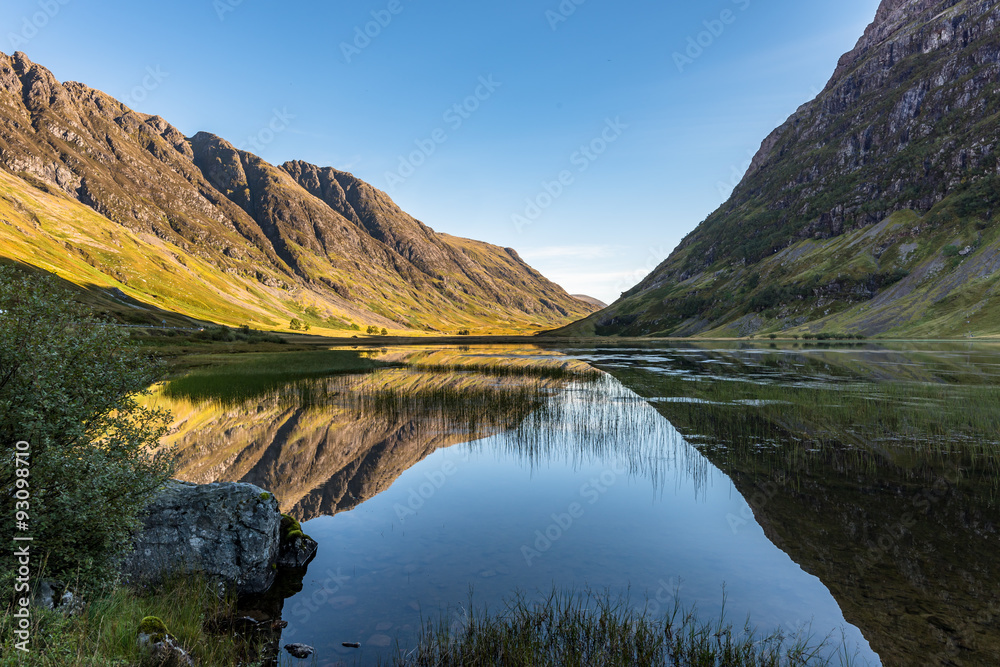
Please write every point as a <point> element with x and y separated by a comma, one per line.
<point>872,209</point>
<point>277,240</point>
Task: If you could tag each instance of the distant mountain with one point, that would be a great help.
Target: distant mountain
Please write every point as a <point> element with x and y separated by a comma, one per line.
<point>590,300</point>
<point>873,209</point>
<point>125,204</point>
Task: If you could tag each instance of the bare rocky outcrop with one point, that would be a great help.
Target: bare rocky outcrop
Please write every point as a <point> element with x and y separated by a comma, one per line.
<point>300,227</point>
<point>227,532</point>
<point>907,123</point>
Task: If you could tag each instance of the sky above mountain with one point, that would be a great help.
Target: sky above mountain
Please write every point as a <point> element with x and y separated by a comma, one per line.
<point>591,136</point>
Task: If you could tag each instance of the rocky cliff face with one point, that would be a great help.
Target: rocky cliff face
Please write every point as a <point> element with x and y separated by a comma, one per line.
<point>300,233</point>
<point>903,136</point>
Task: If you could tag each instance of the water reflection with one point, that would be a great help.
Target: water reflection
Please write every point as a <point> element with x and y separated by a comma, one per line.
<point>422,483</point>
<point>875,469</point>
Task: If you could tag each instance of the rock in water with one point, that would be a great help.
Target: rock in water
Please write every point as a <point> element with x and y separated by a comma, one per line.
<point>301,651</point>
<point>297,548</point>
<point>226,531</point>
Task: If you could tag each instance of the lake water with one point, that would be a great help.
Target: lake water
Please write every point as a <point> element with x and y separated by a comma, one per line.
<point>765,482</point>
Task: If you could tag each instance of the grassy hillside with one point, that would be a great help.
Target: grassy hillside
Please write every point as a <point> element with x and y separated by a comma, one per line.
<point>912,275</point>
<point>872,210</point>
<point>144,279</point>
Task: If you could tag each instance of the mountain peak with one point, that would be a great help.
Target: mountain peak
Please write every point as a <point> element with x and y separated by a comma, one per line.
<point>262,243</point>
<point>862,212</point>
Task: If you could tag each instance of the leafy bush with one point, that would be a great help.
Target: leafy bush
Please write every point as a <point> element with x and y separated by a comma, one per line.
<point>296,324</point>
<point>68,387</point>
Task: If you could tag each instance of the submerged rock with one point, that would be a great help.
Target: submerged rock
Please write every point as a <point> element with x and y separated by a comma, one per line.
<point>301,651</point>
<point>226,531</point>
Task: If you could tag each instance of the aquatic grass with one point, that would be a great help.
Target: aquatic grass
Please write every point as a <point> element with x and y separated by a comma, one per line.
<point>235,379</point>
<point>743,416</point>
<point>500,369</point>
<point>600,630</point>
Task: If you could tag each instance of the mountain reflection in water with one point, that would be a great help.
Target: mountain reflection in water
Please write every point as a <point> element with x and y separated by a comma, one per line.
<point>874,469</point>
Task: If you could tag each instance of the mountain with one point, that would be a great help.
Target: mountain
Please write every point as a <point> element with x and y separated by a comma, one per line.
<point>872,210</point>
<point>153,222</point>
<point>597,303</point>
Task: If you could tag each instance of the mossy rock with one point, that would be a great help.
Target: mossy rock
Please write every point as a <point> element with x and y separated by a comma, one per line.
<point>151,625</point>
<point>155,628</point>
<point>266,496</point>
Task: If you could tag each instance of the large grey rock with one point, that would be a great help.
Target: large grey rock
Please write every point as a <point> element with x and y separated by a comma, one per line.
<point>228,531</point>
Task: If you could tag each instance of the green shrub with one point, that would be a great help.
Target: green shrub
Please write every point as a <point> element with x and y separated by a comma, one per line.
<point>68,387</point>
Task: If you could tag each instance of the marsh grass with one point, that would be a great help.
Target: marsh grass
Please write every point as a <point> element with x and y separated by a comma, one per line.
<point>599,630</point>
<point>545,371</point>
<point>104,634</point>
<point>865,425</point>
<point>233,380</point>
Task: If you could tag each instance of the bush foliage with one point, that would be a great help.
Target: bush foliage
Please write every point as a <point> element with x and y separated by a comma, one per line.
<point>68,386</point>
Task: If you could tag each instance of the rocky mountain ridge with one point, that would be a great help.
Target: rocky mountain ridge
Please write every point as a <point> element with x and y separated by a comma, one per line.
<point>308,242</point>
<point>871,210</point>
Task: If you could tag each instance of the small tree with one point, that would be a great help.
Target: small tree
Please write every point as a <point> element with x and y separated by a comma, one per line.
<point>68,387</point>
<point>295,324</point>
<point>385,332</point>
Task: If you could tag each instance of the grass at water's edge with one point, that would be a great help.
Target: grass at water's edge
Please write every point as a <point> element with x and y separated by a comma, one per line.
<point>104,634</point>
<point>600,630</point>
<point>590,630</point>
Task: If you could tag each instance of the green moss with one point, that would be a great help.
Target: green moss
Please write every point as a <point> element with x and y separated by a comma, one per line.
<point>153,626</point>
<point>266,496</point>
<point>292,534</point>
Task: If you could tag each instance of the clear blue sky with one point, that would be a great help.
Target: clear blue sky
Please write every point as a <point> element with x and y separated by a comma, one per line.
<point>675,133</point>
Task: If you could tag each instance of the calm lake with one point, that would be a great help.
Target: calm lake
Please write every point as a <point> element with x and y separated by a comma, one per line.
<point>847,493</point>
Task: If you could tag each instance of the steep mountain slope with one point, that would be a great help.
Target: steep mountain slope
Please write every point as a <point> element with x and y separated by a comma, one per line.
<point>273,243</point>
<point>872,209</point>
